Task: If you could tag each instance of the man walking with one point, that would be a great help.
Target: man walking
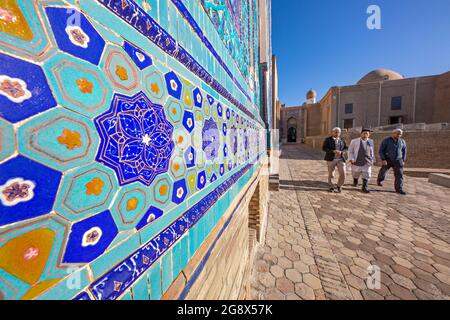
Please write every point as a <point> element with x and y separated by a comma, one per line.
<point>393,155</point>
<point>361,154</point>
<point>334,148</point>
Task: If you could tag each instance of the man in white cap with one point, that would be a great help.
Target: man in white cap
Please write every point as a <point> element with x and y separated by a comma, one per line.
<point>335,148</point>
<point>361,155</point>
<point>393,155</point>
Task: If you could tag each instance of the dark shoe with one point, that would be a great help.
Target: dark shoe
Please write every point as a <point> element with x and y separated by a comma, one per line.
<point>379,183</point>
<point>331,189</point>
<point>365,187</point>
<point>339,189</point>
<point>355,182</point>
<point>403,193</point>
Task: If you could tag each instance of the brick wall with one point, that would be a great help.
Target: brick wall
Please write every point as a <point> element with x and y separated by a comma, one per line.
<point>426,149</point>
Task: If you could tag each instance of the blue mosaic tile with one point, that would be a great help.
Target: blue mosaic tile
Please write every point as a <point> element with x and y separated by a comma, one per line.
<point>140,58</point>
<point>24,90</point>
<point>27,190</point>
<point>75,34</point>
<point>90,238</point>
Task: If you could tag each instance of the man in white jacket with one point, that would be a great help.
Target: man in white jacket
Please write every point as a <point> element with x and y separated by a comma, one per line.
<point>361,155</point>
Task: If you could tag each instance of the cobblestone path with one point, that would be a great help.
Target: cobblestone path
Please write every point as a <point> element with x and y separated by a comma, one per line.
<point>319,245</point>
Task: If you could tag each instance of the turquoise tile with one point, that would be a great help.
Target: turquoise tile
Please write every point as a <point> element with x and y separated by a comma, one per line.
<point>127,296</point>
<point>166,271</point>
<point>163,14</point>
<point>11,287</point>
<point>180,255</point>
<point>112,257</point>
<point>68,288</point>
<point>141,290</point>
<point>155,281</point>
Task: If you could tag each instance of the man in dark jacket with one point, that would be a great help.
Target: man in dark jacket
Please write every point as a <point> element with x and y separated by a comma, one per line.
<point>334,148</point>
<point>393,155</point>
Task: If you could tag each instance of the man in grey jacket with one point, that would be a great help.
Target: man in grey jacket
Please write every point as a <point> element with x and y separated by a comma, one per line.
<point>393,155</point>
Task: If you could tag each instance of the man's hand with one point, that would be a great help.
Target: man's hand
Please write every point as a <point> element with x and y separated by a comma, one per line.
<point>384,163</point>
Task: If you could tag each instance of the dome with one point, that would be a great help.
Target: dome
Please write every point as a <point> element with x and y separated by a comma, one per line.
<point>312,94</point>
<point>380,75</point>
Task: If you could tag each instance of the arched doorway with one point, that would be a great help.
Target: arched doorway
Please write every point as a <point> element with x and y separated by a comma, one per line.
<point>292,130</point>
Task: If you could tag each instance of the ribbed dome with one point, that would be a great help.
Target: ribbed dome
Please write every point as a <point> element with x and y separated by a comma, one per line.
<point>380,75</point>
<point>311,94</point>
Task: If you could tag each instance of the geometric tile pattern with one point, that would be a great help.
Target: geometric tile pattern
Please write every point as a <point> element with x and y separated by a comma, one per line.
<point>105,138</point>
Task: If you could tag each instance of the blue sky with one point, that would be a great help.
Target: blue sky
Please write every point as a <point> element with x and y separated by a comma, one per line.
<point>321,43</point>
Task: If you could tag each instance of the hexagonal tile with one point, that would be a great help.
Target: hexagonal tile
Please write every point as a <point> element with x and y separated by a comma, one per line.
<point>201,180</point>
<point>198,98</point>
<point>177,166</point>
<point>120,70</point>
<point>78,39</point>
<point>181,139</point>
<point>190,157</point>
<point>27,190</point>
<point>155,87</point>
<point>174,85</point>
<point>85,191</point>
<point>81,86</point>
<point>140,58</point>
<point>162,189</point>
<point>188,121</point>
<point>174,110</point>
<point>59,138</point>
<point>131,203</point>
<point>24,90</point>
<point>90,238</point>
<point>152,215</point>
<point>180,191</point>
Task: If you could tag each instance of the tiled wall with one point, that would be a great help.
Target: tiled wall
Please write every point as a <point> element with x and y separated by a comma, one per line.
<point>127,128</point>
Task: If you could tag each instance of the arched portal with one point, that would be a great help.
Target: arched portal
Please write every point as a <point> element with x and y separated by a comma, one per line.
<point>292,130</point>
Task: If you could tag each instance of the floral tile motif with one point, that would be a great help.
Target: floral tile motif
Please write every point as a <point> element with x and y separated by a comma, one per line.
<point>62,139</point>
<point>90,238</point>
<point>130,205</point>
<point>24,90</point>
<point>81,87</point>
<point>120,70</point>
<point>75,34</point>
<point>136,139</point>
<point>86,191</point>
<point>174,85</point>
<point>27,190</point>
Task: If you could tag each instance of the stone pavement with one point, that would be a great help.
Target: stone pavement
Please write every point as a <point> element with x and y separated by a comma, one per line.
<point>319,245</point>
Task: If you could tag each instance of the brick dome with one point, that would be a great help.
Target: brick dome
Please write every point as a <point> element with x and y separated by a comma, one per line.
<point>380,75</point>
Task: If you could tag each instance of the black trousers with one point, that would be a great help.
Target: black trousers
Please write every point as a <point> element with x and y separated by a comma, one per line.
<point>397,165</point>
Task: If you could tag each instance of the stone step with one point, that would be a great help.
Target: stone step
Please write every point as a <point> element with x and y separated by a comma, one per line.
<point>440,179</point>
<point>424,172</point>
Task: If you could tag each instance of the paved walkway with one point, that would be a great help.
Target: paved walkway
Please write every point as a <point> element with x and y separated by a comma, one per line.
<point>320,245</point>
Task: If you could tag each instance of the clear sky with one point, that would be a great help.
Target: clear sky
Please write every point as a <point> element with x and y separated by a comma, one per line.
<point>322,43</point>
